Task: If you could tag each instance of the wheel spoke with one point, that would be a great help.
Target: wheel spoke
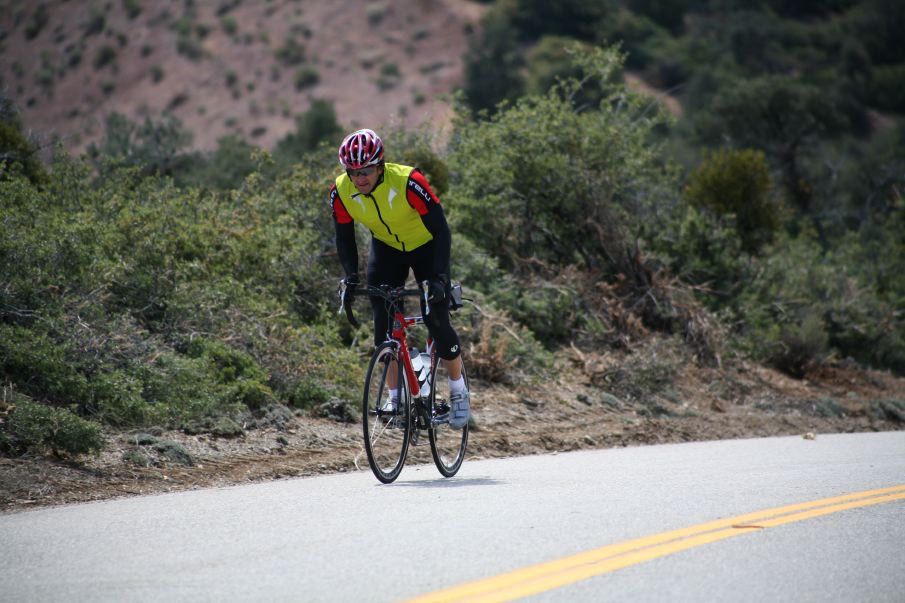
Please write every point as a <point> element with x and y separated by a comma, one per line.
<point>447,444</point>
<point>386,435</point>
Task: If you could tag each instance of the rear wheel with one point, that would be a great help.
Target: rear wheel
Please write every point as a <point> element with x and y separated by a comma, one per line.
<point>386,429</point>
<point>447,444</point>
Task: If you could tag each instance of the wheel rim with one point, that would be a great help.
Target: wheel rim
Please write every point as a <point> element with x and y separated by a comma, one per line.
<point>386,435</point>
<point>447,444</point>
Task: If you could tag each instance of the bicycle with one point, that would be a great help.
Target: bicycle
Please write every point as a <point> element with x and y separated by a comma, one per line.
<point>389,429</point>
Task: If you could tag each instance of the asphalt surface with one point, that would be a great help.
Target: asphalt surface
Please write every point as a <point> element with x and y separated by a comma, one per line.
<point>348,538</point>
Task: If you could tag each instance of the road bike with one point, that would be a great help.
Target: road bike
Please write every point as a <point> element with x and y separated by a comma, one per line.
<point>422,381</point>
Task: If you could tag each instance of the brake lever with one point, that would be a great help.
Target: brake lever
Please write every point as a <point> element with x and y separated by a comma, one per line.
<point>425,292</point>
<point>342,295</point>
<point>343,305</point>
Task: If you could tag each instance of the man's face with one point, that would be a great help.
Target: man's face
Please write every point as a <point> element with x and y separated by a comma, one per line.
<point>365,178</point>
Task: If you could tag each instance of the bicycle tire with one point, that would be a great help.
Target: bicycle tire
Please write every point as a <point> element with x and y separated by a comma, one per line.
<point>447,444</point>
<point>386,434</point>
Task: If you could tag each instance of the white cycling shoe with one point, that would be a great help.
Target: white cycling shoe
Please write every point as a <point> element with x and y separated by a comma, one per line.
<point>459,409</point>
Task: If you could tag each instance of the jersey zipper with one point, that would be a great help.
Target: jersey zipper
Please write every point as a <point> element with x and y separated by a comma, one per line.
<point>380,217</point>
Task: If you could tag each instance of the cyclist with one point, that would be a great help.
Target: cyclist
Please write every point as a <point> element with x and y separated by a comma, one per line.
<point>408,231</point>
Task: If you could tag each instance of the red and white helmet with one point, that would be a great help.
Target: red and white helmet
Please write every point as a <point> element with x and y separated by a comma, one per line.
<point>361,149</point>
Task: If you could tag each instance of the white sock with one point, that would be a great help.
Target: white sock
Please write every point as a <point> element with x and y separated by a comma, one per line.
<point>457,385</point>
<point>394,395</point>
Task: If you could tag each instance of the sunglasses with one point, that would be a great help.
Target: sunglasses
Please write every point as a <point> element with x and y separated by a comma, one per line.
<point>365,171</point>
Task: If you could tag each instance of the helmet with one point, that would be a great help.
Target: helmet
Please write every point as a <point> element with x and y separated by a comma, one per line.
<point>361,149</point>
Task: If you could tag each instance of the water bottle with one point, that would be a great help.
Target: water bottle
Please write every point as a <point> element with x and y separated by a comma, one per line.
<point>421,362</point>
<point>418,366</point>
<point>425,381</point>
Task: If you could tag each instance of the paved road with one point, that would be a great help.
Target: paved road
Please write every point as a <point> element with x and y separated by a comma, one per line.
<point>347,538</point>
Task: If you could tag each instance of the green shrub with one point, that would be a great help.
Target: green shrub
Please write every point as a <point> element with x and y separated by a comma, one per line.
<point>565,205</point>
<point>737,183</point>
<point>801,302</point>
<point>252,394</point>
<point>315,126</point>
<point>40,366</point>
<point>132,7</point>
<point>189,47</point>
<point>16,151</point>
<point>889,410</point>
<point>308,393</point>
<point>375,12</point>
<point>229,24</point>
<point>36,426</point>
<point>292,52</point>
<point>174,451</point>
<point>115,398</point>
<point>104,56</point>
<point>37,21</point>
<point>827,407</point>
<point>137,458</point>
<point>225,427</point>
<point>306,77</point>
<point>800,346</point>
<point>702,249</point>
<point>229,364</point>
<point>492,64</point>
<point>96,22</point>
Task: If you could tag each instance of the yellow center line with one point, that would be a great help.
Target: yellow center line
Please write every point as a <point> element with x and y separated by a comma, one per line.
<point>567,570</point>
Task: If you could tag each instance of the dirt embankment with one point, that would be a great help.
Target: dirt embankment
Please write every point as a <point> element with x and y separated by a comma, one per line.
<point>656,396</point>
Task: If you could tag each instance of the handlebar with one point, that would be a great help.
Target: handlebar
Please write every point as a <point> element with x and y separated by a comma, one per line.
<point>390,294</point>
<point>393,294</point>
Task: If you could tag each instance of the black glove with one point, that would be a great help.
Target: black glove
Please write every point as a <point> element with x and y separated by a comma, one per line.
<point>437,288</point>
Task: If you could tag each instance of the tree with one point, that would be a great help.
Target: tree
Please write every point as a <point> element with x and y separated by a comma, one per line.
<point>15,148</point>
<point>154,146</point>
<point>312,127</point>
<point>778,115</point>
<point>492,65</point>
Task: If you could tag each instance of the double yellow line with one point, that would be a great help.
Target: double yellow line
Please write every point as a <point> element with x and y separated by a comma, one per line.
<point>553,574</point>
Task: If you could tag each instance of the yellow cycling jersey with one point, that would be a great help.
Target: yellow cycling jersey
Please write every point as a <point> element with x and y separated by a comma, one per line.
<point>386,211</point>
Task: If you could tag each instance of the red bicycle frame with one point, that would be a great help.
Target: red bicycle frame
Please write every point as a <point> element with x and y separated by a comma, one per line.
<point>400,324</point>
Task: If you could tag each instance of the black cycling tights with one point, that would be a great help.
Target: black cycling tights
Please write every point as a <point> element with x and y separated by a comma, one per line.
<point>388,266</point>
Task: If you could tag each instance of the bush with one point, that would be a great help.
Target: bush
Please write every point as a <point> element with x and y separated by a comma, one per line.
<point>105,56</point>
<point>308,394</point>
<point>174,451</point>
<point>737,183</point>
<point>17,153</point>
<point>316,125</point>
<point>492,64</point>
<point>567,204</point>
<point>799,347</point>
<point>36,426</point>
<point>37,21</point>
<point>291,53</point>
<point>306,77</point>
<point>801,303</point>
<point>132,7</point>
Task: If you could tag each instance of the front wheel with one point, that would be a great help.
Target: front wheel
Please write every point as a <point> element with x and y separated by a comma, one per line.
<point>447,444</point>
<point>386,426</point>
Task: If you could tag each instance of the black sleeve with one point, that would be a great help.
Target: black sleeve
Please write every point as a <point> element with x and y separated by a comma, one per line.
<point>346,247</point>
<point>435,222</point>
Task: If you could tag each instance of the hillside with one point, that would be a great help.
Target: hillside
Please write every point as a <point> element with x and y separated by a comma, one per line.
<point>231,67</point>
